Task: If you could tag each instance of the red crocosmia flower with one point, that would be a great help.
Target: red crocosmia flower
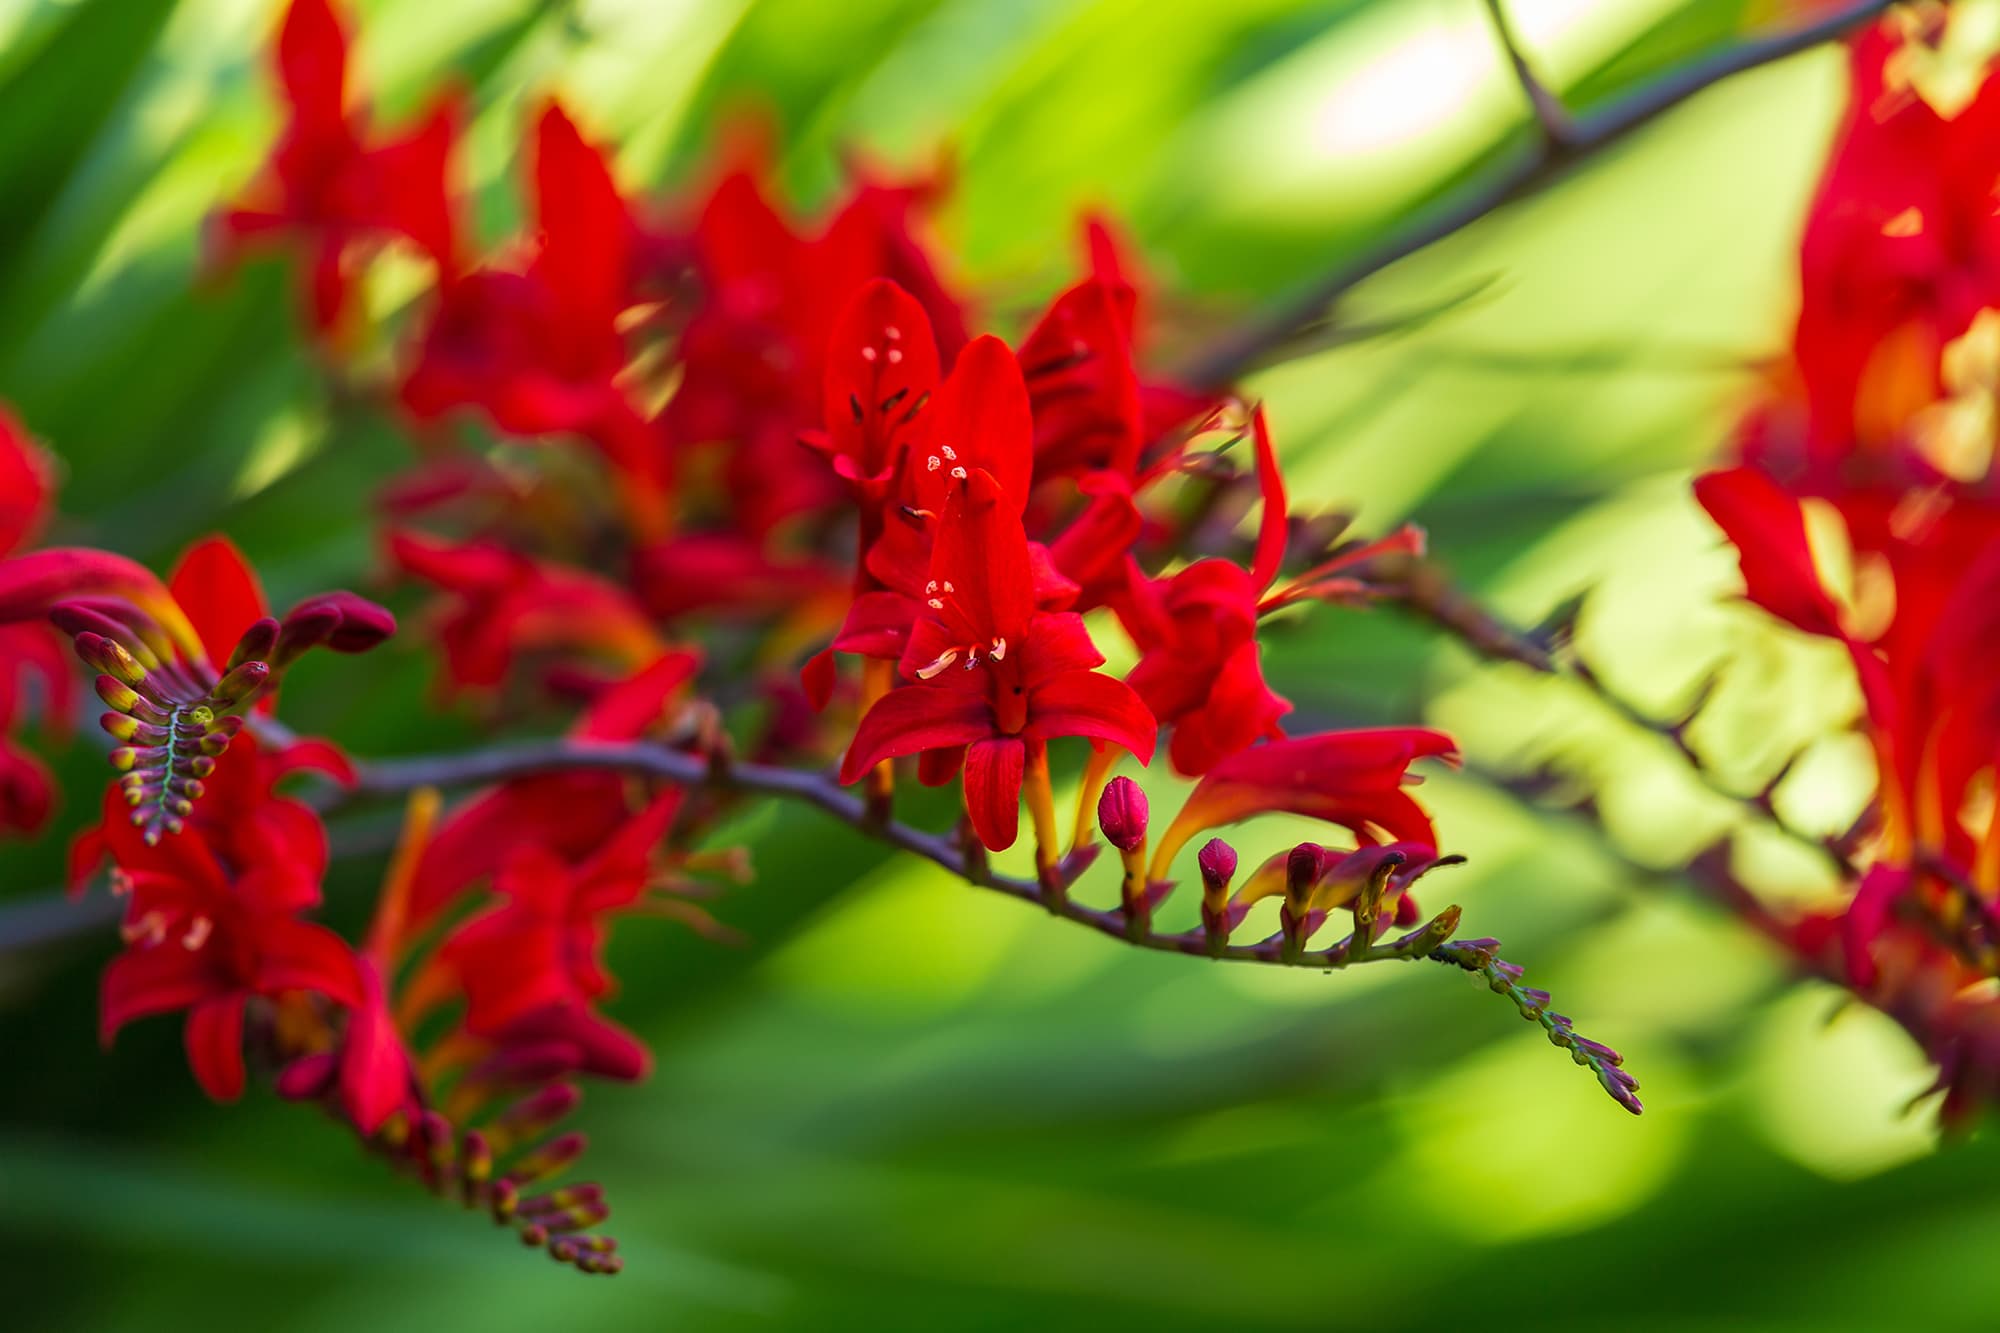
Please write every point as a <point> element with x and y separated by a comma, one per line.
<point>881,369</point>
<point>1078,362</point>
<point>34,671</point>
<point>542,351</point>
<point>266,848</point>
<point>990,673</point>
<point>1200,669</point>
<point>331,185</point>
<point>1094,412</point>
<point>179,663</point>
<point>1901,251</point>
<point>1932,699</point>
<point>502,604</point>
<point>226,954</point>
<point>542,946</point>
<point>1351,778</point>
<point>570,814</point>
<point>730,574</point>
<point>978,421</point>
<point>211,918</point>
<point>754,354</point>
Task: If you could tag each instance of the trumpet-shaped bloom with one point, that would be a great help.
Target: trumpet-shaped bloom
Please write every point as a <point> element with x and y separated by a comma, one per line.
<point>331,184</point>
<point>990,675</point>
<point>1355,779</point>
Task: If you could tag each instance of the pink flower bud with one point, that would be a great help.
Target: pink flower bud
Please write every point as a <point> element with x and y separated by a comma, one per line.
<point>1217,860</point>
<point>1303,868</point>
<point>1121,813</point>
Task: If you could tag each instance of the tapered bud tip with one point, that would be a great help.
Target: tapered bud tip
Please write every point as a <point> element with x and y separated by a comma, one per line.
<point>1121,813</point>
<point>1304,864</point>
<point>309,625</point>
<point>359,625</point>
<point>1217,860</point>
<point>256,643</point>
<point>239,686</point>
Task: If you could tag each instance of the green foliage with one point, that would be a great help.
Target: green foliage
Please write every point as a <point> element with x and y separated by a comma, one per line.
<point>897,1104</point>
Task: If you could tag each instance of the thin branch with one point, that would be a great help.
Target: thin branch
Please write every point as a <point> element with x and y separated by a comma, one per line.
<point>1424,590</point>
<point>1552,118</point>
<point>528,758</point>
<point>388,777</point>
<point>1241,350</point>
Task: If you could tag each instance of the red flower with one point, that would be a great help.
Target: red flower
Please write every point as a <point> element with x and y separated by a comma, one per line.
<point>329,184</point>
<point>1093,411</point>
<point>542,351</point>
<point>31,656</point>
<point>1933,701</point>
<point>502,603</point>
<point>754,354</point>
<point>1200,670</point>
<point>1901,252</point>
<point>1351,778</point>
<point>992,675</point>
<point>178,662</point>
<point>569,814</point>
<point>541,948</point>
<point>211,919</point>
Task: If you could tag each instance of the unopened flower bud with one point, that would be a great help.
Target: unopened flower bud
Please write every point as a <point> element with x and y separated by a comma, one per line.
<point>1303,868</point>
<point>357,623</point>
<point>1121,812</point>
<point>309,625</point>
<point>1217,860</point>
<point>256,644</point>
<point>239,687</point>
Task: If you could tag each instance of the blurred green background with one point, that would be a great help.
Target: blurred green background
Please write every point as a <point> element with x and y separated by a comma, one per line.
<point>900,1105</point>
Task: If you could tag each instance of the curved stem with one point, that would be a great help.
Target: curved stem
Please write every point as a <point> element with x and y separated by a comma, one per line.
<point>1558,145</point>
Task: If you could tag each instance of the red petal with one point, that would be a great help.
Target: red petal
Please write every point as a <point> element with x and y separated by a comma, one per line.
<point>982,552</point>
<point>32,583</point>
<point>215,1046</point>
<point>316,756</point>
<point>636,704</point>
<point>298,955</point>
<point>935,768</point>
<point>27,481</point>
<point>1086,392</point>
<point>881,362</point>
<point>1351,778</point>
<point>587,232</point>
<point>374,1068</point>
<point>1769,532</point>
<point>143,981</point>
<point>1272,531</point>
<point>1056,643</point>
<point>877,625</point>
<point>1088,703</point>
<point>981,414</point>
<point>312,65</point>
<point>219,592</point>
<point>818,677</point>
<point>913,718</point>
<point>993,771</point>
<point>1239,710</point>
<point>26,793</point>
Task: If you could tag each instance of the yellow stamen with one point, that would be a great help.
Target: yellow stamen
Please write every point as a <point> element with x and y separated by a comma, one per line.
<point>385,936</point>
<point>1042,810</point>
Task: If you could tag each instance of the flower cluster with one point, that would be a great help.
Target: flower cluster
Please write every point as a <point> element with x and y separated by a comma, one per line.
<point>1885,415</point>
<point>743,497</point>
